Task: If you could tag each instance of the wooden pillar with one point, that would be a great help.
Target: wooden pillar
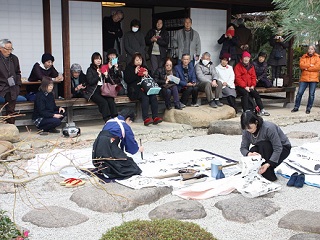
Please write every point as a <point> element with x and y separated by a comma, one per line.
<point>290,62</point>
<point>46,26</point>
<point>229,14</point>
<point>66,48</point>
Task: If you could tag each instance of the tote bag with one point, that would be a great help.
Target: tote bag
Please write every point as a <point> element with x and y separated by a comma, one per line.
<point>109,90</point>
<point>149,86</point>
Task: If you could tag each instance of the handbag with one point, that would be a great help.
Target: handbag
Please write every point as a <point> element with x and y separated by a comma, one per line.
<point>109,90</point>
<point>149,86</point>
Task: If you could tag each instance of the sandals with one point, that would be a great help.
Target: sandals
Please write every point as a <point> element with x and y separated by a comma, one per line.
<point>72,182</point>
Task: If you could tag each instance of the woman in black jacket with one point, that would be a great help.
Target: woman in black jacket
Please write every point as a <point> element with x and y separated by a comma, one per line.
<point>163,76</point>
<point>133,75</point>
<point>107,106</point>
<point>46,115</point>
<point>157,39</point>
<point>229,42</point>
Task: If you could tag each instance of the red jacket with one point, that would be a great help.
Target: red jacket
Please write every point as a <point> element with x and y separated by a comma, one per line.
<point>243,77</point>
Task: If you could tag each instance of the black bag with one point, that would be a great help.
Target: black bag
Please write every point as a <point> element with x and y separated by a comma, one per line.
<point>278,54</point>
<point>149,86</point>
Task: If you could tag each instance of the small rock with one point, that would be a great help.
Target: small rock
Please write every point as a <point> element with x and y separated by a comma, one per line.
<point>5,146</point>
<point>166,138</point>
<point>13,157</point>
<point>9,132</point>
<point>225,127</point>
<point>241,209</point>
<point>54,217</point>
<point>181,209</point>
<point>39,144</point>
<point>28,156</point>
<point>301,220</point>
<point>305,236</point>
<point>23,146</point>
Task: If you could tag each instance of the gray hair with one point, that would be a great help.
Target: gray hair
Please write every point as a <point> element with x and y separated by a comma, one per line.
<point>4,41</point>
<point>75,67</point>
<point>206,54</point>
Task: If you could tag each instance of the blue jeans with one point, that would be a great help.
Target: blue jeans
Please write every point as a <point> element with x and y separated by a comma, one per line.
<point>302,88</point>
<point>19,99</point>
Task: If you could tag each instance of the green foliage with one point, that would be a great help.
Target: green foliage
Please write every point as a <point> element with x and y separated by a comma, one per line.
<point>164,229</point>
<point>301,20</point>
<point>8,229</point>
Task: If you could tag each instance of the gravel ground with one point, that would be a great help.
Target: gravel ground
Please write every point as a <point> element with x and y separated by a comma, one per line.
<point>46,191</point>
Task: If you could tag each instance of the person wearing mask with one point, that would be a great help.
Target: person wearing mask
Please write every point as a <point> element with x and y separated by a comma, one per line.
<point>278,55</point>
<point>42,69</point>
<point>208,83</point>
<point>264,138</point>
<point>10,77</point>
<point>46,114</point>
<point>95,78</point>
<point>229,43</point>
<point>244,37</point>
<point>310,67</point>
<point>261,67</point>
<point>115,138</point>
<point>163,76</point>
<point>245,82</point>
<point>78,80</point>
<point>134,41</point>
<point>133,75</point>
<point>187,41</point>
<point>225,74</point>
<point>112,32</point>
<point>188,81</point>
<point>157,39</point>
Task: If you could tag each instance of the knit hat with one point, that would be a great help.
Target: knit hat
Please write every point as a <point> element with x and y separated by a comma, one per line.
<point>262,54</point>
<point>75,68</point>
<point>112,51</point>
<point>225,56</point>
<point>47,57</point>
<point>246,54</point>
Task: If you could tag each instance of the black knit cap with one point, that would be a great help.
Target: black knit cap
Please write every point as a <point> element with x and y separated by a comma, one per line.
<point>112,51</point>
<point>47,57</point>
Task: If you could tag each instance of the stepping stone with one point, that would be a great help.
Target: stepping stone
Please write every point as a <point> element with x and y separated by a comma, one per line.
<point>54,217</point>
<point>245,210</point>
<point>301,220</point>
<point>305,236</point>
<point>114,197</point>
<point>225,127</point>
<point>301,135</point>
<point>181,209</point>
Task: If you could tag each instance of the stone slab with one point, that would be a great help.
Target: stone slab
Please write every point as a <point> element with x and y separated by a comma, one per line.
<point>301,220</point>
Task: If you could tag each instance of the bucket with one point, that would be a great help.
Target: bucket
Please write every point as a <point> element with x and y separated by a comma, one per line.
<point>215,167</point>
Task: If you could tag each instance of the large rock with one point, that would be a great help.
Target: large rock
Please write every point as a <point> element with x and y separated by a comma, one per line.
<point>241,209</point>
<point>199,116</point>
<point>114,197</point>
<point>5,146</point>
<point>9,132</point>
<point>54,217</point>
<point>181,209</point>
<point>301,220</point>
<point>305,236</point>
<point>225,127</point>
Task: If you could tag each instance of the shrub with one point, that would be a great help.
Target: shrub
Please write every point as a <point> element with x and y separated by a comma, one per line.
<point>164,229</point>
<point>8,229</point>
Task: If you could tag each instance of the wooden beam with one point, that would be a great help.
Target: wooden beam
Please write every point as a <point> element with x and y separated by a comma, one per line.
<point>66,48</point>
<point>290,62</point>
<point>46,26</point>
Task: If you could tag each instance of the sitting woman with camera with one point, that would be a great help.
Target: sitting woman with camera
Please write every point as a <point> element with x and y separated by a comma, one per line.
<point>46,115</point>
<point>133,75</point>
<point>165,76</point>
<point>95,79</point>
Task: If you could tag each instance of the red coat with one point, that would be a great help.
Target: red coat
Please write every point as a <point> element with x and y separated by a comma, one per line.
<point>243,77</point>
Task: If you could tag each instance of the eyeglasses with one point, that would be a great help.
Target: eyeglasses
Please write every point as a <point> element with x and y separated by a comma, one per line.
<point>11,49</point>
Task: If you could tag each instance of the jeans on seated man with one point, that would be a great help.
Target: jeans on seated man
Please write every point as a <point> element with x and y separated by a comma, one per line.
<point>208,80</point>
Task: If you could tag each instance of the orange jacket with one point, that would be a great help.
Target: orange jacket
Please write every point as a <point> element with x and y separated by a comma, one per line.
<point>310,67</point>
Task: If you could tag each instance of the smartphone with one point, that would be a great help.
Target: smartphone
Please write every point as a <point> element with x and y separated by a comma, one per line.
<point>114,61</point>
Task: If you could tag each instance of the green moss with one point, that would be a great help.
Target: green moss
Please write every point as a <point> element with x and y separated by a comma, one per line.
<point>164,229</point>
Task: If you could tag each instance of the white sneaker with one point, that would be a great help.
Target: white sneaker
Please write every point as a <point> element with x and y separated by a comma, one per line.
<point>195,105</point>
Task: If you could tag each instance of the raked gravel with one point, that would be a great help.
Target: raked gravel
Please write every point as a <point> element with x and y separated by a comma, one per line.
<point>43,191</point>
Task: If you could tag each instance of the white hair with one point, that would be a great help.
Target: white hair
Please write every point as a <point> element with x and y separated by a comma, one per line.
<point>4,41</point>
<point>206,54</point>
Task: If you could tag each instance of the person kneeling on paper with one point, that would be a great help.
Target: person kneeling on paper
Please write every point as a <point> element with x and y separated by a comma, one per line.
<point>268,140</point>
<point>107,156</point>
